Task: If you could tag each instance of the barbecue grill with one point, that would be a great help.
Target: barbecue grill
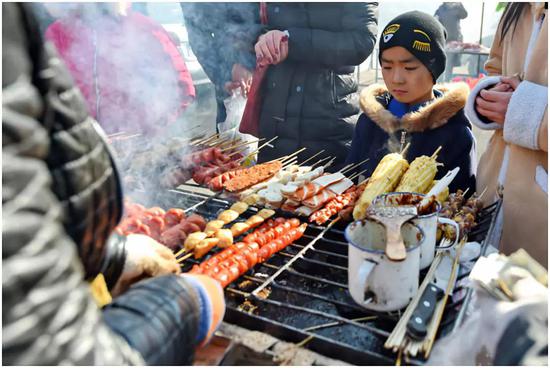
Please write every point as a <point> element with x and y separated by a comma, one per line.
<point>300,294</point>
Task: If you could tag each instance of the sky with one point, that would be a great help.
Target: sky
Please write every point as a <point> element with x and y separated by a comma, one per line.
<point>470,26</point>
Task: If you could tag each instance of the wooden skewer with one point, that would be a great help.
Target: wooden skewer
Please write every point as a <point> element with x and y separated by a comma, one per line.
<point>464,193</point>
<point>347,167</point>
<point>320,161</point>
<point>208,139</point>
<point>355,166</point>
<point>312,157</point>
<point>235,153</point>
<point>258,149</point>
<point>290,163</point>
<point>482,193</point>
<point>405,149</point>
<point>180,252</point>
<point>242,144</point>
<point>328,164</point>
<point>225,141</point>
<point>357,175</point>
<point>221,142</point>
<point>434,156</point>
<point>364,181</point>
<point>116,134</point>
<point>180,260</point>
<point>292,155</point>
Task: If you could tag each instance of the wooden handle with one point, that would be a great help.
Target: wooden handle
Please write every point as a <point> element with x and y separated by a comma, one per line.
<point>395,247</point>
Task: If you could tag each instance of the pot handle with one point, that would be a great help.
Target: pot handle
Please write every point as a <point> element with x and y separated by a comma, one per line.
<point>447,221</point>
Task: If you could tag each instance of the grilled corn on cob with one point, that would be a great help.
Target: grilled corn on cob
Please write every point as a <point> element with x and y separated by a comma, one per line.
<point>384,179</point>
<point>419,176</point>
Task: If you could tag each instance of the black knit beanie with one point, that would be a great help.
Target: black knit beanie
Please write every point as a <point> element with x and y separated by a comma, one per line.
<point>422,35</point>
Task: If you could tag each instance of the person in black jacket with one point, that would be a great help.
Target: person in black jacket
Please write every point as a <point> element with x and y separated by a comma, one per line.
<point>310,90</point>
<point>410,108</point>
<point>61,199</point>
<point>221,36</point>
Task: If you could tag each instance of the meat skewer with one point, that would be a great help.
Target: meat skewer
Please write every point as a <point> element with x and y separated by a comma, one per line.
<point>201,243</point>
<point>231,263</point>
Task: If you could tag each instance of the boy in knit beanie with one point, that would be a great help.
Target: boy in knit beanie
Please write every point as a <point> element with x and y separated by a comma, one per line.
<point>410,108</point>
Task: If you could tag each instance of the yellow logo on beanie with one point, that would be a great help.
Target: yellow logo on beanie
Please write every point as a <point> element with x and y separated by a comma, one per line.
<point>389,31</point>
<point>420,45</point>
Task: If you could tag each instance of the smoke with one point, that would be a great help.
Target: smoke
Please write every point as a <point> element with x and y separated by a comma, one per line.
<point>131,86</point>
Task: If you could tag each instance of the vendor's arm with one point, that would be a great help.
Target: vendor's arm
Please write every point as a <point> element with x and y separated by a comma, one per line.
<point>350,46</point>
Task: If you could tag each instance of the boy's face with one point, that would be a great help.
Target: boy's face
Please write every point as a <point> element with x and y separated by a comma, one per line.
<point>406,78</point>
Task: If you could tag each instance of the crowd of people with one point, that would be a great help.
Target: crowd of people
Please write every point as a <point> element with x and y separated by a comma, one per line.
<point>103,67</point>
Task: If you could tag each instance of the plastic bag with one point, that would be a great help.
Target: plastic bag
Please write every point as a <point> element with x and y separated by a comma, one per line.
<point>234,107</point>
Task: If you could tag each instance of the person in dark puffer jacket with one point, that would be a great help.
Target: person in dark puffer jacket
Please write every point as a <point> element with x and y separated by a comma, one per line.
<point>410,108</point>
<point>61,199</point>
<point>310,94</point>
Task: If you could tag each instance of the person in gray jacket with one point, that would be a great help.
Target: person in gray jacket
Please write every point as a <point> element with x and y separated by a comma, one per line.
<point>61,199</point>
<point>310,90</point>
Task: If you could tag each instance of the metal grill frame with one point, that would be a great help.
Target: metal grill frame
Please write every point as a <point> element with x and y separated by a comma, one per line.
<point>310,335</point>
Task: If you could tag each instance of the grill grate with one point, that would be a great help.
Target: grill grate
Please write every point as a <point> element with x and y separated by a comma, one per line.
<point>301,292</point>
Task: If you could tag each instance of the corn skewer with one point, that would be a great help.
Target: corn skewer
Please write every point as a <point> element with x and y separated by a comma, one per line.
<point>384,179</point>
<point>405,150</point>
<point>434,155</point>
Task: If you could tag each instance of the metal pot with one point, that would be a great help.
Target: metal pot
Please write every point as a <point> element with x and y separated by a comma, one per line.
<point>374,281</point>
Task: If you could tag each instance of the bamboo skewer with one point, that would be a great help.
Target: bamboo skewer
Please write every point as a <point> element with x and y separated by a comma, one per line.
<point>312,157</point>
<point>292,155</point>
<point>320,161</point>
<point>482,193</point>
<point>362,182</point>
<point>188,255</point>
<point>348,167</point>
<point>357,175</point>
<point>355,166</point>
<point>258,149</point>
<point>235,153</point>
<point>328,164</point>
<point>180,252</point>
<point>405,149</point>
<point>290,163</point>
<point>208,139</point>
<point>434,155</point>
<point>242,144</point>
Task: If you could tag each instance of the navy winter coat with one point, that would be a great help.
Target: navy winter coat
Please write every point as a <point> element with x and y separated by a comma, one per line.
<point>440,122</point>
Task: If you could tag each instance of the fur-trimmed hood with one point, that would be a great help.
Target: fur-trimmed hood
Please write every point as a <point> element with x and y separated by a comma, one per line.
<point>433,115</point>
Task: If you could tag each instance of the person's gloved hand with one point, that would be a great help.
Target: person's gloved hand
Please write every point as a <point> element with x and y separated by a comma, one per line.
<point>212,307</point>
<point>145,257</point>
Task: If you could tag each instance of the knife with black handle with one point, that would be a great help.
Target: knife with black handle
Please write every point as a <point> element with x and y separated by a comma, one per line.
<point>417,327</point>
